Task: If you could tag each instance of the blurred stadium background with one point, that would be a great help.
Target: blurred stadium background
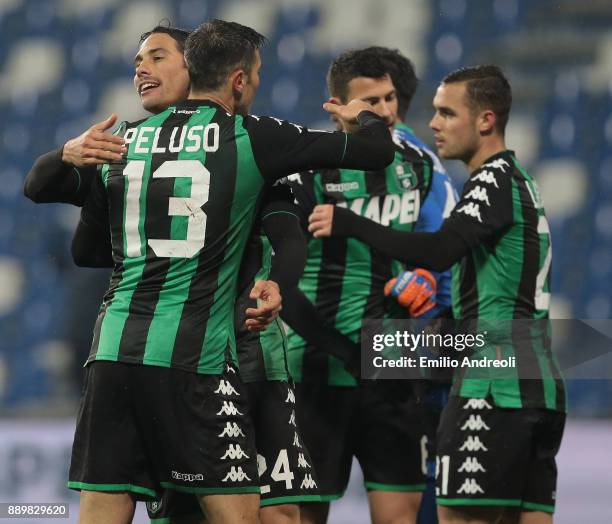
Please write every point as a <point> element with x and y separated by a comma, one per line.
<point>65,64</point>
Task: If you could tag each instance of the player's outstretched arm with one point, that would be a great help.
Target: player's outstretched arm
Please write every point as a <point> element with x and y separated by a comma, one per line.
<point>435,251</point>
<point>64,175</point>
<point>301,315</point>
<point>281,148</point>
<point>52,181</point>
<point>290,248</point>
<point>91,244</point>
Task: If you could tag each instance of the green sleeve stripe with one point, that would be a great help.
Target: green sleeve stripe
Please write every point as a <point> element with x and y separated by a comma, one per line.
<point>345,144</point>
<point>279,212</point>
<point>78,174</point>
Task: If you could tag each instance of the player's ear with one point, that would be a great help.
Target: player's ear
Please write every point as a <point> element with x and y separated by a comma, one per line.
<point>486,122</point>
<point>238,80</point>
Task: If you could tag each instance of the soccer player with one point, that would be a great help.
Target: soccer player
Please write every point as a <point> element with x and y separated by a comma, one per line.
<point>286,476</point>
<point>498,241</point>
<point>441,199</point>
<point>378,422</point>
<point>208,161</point>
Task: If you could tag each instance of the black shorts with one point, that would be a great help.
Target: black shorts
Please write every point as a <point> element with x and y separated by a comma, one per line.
<point>286,474</point>
<point>285,467</point>
<point>490,456</point>
<point>144,429</point>
<point>378,422</point>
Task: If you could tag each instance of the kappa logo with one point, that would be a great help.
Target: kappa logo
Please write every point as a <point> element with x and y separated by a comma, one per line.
<point>296,440</point>
<point>228,409</point>
<point>498,164</point>
<point>302,463</point>
<point>479,193</point>
<point>469,487</point>
<point>473,444</point>
<point>187,477</point>
<point>290,397</point>
<point>292,418</point>
<point>475,423</point>
<point>231,430</point>
<point>471,465</point>
<point>185,111</point>
<point>472,210</point>
<point>225,388</point>
<point>341,187</point>
<point>236,475</point>
<point>477,403</point>
<point>230,369</point>
<point>486,177</point>
<point>234,453</point>
<point>308,482</point>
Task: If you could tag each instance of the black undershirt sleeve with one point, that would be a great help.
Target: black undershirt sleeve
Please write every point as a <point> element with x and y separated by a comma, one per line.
<point>302,316</point>
<point>52,180</point>
<point>281,225</point>
<point>91,244</point>
<point>281,148</point>
<point>436,251</point>
<point>483,215</point>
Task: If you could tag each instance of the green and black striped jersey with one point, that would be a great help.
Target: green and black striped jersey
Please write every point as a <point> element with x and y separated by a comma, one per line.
<point>180,207</point>
<point>345,278</point>
<point>503,285</point>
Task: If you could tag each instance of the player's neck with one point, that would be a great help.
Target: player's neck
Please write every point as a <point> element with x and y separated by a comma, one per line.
<point>492,146</point>
<point>226,102</point>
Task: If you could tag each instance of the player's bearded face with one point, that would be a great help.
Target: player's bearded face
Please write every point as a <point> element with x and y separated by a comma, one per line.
<point>161,78</point>
<point>380,92</point>
<point>454,124</point>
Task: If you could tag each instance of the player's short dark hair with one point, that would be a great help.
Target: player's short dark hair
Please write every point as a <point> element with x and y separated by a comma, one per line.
<point>218,47</point>
<point>373,62</point>
<point>486,88</point>
<point>179,35</point>
<point>402,73</point>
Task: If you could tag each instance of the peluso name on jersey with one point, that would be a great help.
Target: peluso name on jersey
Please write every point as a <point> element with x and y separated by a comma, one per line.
<point>384,209</point>
<point>184,138</point>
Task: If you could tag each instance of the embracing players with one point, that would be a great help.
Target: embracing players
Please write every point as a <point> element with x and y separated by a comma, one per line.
<point>171,299</point>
